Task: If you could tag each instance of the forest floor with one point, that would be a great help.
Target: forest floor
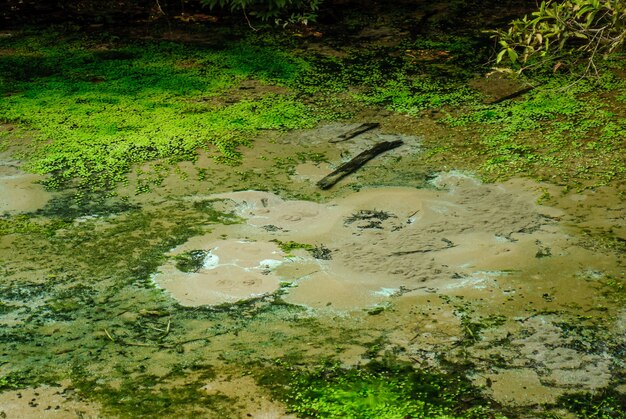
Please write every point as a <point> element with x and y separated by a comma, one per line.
<point>165,250</point>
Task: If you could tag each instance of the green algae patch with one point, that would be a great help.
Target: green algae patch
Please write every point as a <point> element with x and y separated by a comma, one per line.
<point>607,404</point>
<point>146,395</point>
<point>565,130</point>
<point>380,389</point>
<point>98,108</point>
<point>28,224</point>
<point>191,261</point>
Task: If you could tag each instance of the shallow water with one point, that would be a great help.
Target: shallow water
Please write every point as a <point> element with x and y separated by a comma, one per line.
<point>20,191</point>
<point>437,272</point>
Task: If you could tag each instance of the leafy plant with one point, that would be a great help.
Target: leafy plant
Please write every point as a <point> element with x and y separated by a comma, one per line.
<point>300,11</point>
<point>562,30</point>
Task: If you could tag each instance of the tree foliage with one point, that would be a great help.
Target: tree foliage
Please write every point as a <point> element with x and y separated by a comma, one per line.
<point>287,10</point>
<point>562,31</point>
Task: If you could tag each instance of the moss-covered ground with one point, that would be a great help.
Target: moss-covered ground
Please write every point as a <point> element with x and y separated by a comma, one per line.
<point>94,107</point>
<point>90,111</point>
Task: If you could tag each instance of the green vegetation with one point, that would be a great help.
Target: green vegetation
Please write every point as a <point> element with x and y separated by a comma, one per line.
<point>78,274</point>
<point>318,252</point>
<point>137,396</point>
<point>292,11</point>
<point>386,389</point>
<point>24,224</point>
<point>563,131</point>
<point>191,261</point>
<point>431,75</point>
<point>408,78</point>
<point>606,404</point>
<point>290,246</point>
<point>563,32</point>
<point>98,107</point>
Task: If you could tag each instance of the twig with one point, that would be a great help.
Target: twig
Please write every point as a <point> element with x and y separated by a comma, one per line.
<point>304,276</point>
<point>159,8</point>
<point>158,345</point>
<point>354,132</point>
<point>145,345</point>
<point>109,335</point>
<point>408,220</point>
<point>512,95</point>
<point>248,20</point>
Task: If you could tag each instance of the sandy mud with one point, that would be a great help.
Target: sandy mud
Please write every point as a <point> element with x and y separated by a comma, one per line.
<point>444,272</point>
<point>377,243</point>
<point>46,403</point>
<point>428,260</point>
<point>19,190</point>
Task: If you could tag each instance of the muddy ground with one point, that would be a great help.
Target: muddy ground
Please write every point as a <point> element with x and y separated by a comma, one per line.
<point>436,270</point>
<point>201,295</point>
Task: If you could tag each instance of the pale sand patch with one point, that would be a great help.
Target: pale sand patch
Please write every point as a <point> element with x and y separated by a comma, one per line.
<point>19,190</point>
<point>519,387</point>
<point>264,209</point>
<point>312,171</point>
<point>233,270</point>
<point>45,403</point>
<point>460,238</point>
<point>252,400</point>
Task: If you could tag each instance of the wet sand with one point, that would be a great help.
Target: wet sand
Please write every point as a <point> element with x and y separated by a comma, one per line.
<point>45,403</point>
<point>380,242</point>
<point>19,190</point>
<point>419,255</point>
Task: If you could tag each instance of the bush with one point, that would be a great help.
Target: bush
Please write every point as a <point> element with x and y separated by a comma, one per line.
<point>565,31</point>
<point>292,10</point>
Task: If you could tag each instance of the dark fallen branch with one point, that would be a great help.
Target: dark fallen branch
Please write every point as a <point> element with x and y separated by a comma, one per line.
<point>511,96</point>
<point>358,161</point>
<point>449,245</point>
<point>412,252</point>
<point>354,132</point>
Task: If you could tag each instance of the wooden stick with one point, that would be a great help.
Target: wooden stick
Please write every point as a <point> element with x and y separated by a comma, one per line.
<point>354,164</point>
<point>354,132</point>
<point>511,96</point>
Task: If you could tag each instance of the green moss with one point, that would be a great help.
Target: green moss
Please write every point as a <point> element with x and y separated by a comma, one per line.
<point>562,129</point>
<point>411,77</point>
<point>191,261</point>
<point>27,224</point>
<point>145,396</point>
<point>16,380</point>
<point>99,108</point>
<point>80,203</point>
<point>413,96</point>
<point>6,308</point>
<point>290,246</point>
<point>605,404</point>
<point>387,389</point>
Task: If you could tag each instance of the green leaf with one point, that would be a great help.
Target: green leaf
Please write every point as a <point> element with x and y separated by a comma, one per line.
<point>500,55</point>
